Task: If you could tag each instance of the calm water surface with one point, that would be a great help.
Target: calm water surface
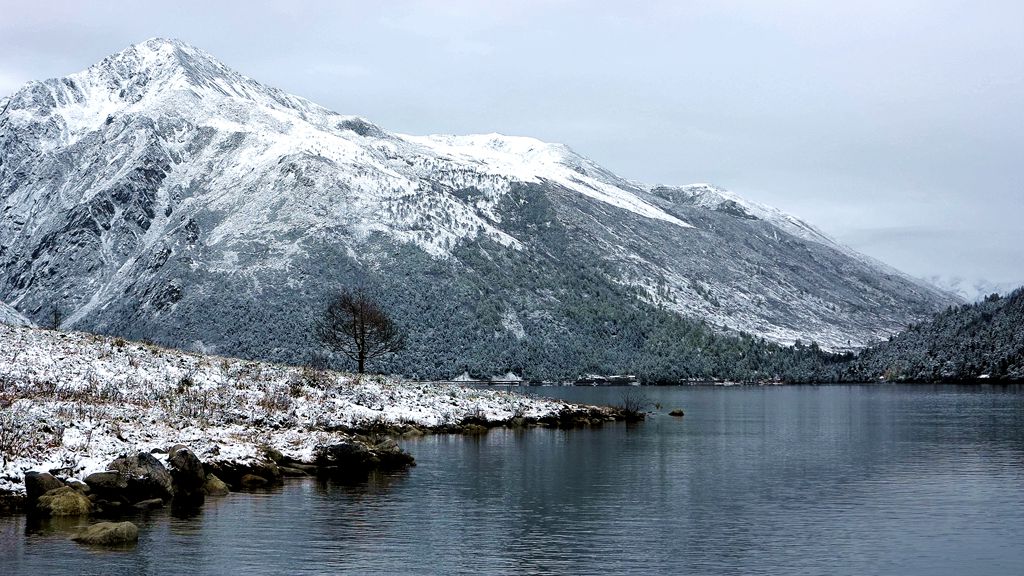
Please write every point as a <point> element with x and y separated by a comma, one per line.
<point>790,480</point>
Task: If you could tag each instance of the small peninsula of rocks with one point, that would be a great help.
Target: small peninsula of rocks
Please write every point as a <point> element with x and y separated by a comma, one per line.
<point>94,424</point>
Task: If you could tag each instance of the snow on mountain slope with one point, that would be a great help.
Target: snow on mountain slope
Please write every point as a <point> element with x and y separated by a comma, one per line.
<point>714,198</point>
<point>179,77</point>
<point>530,160</point>
<point>12,317</point>
<point>160,194</point>
<point>136,78</point>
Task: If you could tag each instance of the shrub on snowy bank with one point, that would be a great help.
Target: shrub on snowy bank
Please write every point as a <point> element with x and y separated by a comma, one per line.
<point>17,434</point>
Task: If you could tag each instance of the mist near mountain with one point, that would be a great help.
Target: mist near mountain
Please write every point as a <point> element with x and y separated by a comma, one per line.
<point>970,290</point>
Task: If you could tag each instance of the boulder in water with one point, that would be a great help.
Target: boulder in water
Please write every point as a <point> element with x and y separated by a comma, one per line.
<point>149,504</point>
<point>187,473</point>
<point>214,486</point>
<point>108,534</point>
<point>109,486</point>
<point>357,458</point>
<point>251,481</point>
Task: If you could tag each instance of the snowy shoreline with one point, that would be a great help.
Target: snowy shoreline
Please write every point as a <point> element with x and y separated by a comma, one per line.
<point>72,402</point>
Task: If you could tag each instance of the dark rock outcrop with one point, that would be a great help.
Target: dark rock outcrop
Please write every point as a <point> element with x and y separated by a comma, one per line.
<point>252,481</point>
<point>149,504</point>
<point>356,459</point>
<point>474,429</point>
<point>581,417</point>
<point>145,477</point>
<point>290,472</point>
<point>345,456</point>
<point>214,486</point>
<point>391,456</point>
<point>232,472</point>
<point>109,485</point>
<point>78,485</point>
<point>39,483</point>
<point>187,474</point>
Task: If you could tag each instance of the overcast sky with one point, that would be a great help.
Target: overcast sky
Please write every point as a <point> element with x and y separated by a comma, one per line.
<point>896,127</point>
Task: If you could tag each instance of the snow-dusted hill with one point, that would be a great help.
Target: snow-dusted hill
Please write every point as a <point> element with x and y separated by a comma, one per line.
<point>159,194</point>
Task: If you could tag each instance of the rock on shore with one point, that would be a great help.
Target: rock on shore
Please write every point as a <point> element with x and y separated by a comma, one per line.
<point>63,501</point>
<point>141,482</point>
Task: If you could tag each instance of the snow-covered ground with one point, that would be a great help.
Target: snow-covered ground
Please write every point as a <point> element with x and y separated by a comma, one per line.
<point>76,401</point>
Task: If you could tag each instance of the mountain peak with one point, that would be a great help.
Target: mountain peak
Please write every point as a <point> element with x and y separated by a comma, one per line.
<point>158,43</point>
<point>176,63</point>
<point>158,46</point>
<point>152,75</point>
<point>161,52</point>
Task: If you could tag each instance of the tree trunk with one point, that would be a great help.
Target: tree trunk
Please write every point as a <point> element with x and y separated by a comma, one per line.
<point>362,363</point>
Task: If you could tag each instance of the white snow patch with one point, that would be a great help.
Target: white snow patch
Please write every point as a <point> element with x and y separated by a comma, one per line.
<point>531,160</point>
<point>510,322</point>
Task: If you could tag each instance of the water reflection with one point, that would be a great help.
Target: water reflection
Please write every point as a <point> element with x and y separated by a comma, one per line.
<point>809,480</point>
<point>43,526</point>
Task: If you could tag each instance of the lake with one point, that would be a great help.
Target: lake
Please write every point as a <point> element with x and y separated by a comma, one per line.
<point>880,479</point>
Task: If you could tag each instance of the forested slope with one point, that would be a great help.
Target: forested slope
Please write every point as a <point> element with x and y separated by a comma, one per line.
<point>974,341</point>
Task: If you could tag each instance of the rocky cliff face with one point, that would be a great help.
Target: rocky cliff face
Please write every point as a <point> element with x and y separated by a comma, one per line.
<point>161,195</point>
<point>12,317</point>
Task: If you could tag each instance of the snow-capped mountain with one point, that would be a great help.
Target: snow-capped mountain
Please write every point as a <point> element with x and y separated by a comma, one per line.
<point>159,194</point>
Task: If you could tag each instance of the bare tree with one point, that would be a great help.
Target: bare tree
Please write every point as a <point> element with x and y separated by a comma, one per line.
<point>356,326</point>
<point>56,318</point>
